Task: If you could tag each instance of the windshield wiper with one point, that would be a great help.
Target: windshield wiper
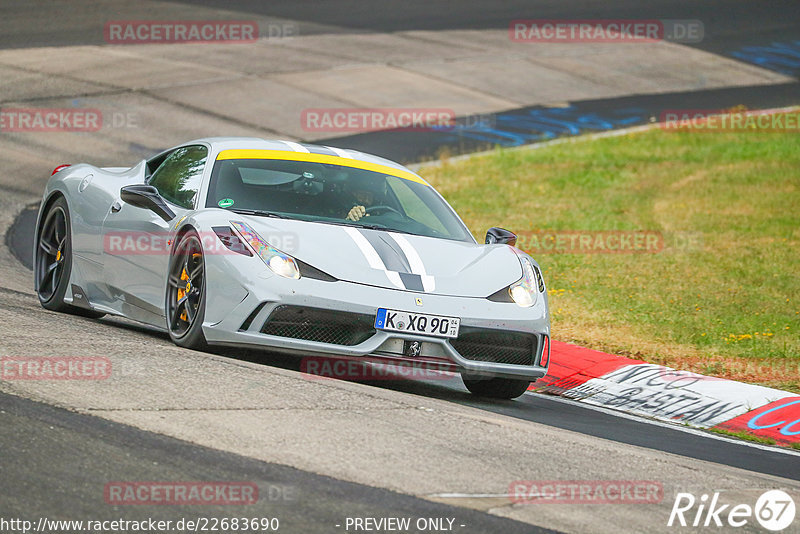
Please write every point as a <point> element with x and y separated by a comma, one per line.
<point>259,213</point>
<point>356,224</point>
<point>382,228</point>
<point>370,226</point>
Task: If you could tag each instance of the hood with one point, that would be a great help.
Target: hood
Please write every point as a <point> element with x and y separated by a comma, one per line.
<point>393,260</point>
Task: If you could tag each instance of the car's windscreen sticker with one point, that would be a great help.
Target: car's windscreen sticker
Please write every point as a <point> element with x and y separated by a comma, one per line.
<point>301,153</point>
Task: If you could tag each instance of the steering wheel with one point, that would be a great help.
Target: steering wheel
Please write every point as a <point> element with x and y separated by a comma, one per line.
<point>373,209</point>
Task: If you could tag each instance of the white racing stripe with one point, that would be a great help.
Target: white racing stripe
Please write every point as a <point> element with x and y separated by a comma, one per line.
<point>297,147</point>
<point>414,261</point>
<point>339,152</point>
<point>372,257</point>
<point>394,278</point>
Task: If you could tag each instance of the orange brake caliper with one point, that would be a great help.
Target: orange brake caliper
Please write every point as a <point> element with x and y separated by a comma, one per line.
<point>182,293</point>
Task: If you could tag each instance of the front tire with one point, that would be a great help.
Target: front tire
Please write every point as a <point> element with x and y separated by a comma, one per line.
<point>53,261</point>
<point>186,293</point>
<point>496,388</point>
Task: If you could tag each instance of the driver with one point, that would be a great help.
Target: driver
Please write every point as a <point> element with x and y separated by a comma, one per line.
<point>365,192</point>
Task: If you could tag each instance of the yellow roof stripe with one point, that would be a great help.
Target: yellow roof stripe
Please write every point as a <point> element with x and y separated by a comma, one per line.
<point>319,158</point>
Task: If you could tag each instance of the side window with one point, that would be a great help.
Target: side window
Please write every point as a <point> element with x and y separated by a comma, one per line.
<point>178,177</point>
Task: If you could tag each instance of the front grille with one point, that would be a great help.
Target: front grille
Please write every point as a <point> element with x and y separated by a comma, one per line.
<point>323,326</point>
<point>496,346</point>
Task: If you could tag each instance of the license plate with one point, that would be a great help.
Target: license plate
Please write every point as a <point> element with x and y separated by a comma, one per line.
<point>417,323</point>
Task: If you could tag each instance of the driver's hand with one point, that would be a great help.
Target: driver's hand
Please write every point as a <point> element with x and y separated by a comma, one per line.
<point>356,213</point>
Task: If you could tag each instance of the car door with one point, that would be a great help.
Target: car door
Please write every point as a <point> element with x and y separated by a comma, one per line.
<point>136,250</point>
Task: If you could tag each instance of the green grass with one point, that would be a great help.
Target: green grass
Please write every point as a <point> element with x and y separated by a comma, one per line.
<point>744,435</point>
<point>729,305</point>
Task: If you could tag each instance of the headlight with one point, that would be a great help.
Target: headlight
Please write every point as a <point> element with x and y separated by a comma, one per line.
<point>278,262</point>
<point>284,266</point>
<point>524,292</point>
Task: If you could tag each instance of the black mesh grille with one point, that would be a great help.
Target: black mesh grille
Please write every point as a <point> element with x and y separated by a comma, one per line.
<point>324,326</point>
<point>497,346</point>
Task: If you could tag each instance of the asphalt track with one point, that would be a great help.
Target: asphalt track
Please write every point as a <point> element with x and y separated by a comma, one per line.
<point>576,417</point>
<point>56,461</point>
<point>51,469</point>
<point>727,23</point>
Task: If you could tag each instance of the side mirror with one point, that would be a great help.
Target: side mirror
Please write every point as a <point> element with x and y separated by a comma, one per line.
<point>147,197</point>
<point>500,236</point>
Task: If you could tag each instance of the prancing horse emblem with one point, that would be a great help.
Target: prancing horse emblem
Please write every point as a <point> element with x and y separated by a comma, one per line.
<point>413,349</point>
<point>418,301</point>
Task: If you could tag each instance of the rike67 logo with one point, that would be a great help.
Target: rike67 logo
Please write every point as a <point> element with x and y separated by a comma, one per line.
<point>774,510</point>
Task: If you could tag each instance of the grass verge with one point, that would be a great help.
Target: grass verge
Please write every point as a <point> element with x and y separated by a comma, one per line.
<point>720,296</point>
<point>746,436</point>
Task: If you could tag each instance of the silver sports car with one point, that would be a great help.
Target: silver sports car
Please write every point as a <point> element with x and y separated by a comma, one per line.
<point>310,250</point>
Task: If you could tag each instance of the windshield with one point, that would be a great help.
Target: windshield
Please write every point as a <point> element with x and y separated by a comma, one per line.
<point>333,194</point>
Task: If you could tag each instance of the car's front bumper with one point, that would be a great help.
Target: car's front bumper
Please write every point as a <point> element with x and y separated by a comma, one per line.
<point>237,320</point>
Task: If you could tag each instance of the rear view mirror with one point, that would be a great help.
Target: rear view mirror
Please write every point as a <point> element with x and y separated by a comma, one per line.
<point>500,236</point>
<point>147,197</point>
